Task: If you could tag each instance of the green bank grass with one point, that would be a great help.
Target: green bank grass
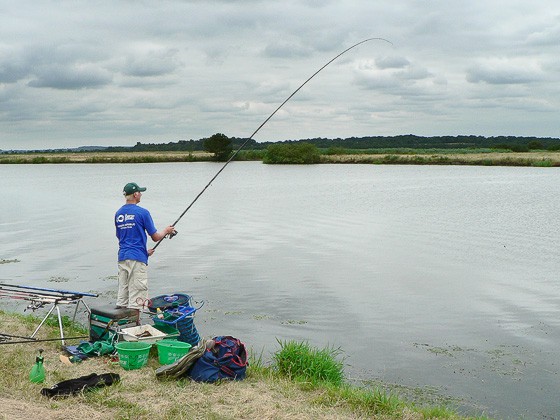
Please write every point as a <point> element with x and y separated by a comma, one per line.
<point>303,363</point>
<point>301,382</point>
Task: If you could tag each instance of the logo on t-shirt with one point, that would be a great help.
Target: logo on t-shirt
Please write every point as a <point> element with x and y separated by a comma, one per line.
<point>125,221</point>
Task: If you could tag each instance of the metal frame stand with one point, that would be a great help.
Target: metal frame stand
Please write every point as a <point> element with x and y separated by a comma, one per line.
<point>55,306</point>
<point>40,297</point>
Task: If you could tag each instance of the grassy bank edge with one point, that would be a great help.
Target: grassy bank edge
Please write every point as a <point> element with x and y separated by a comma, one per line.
<point>285,387</point>
<point>477,157</point>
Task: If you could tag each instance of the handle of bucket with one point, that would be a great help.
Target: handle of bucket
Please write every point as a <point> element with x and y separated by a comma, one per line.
<point>180,318</point>
<point>201,305</point>
<point>194,309</point>
<point>183,316</point>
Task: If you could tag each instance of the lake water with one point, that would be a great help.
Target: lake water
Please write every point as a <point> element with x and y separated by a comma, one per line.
<point>438,277</point>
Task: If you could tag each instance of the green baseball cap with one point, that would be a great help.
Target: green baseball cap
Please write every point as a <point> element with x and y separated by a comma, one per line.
<point>131,188</point>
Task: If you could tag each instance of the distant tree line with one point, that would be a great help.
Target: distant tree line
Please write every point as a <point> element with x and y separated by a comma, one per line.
<point>410,141</point>
<point>372,142</point>
<point>436,142</point>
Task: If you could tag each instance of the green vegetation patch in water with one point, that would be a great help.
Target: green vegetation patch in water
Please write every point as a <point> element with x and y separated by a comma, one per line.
<point>3,261</point>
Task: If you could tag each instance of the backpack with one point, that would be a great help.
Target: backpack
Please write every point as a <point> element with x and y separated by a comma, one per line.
<point>226,359</point>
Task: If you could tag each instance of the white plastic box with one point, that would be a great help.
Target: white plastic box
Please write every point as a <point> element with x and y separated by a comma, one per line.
<point>143,333</point>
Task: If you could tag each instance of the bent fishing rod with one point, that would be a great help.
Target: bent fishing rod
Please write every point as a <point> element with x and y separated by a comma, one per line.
<point>261,126</point>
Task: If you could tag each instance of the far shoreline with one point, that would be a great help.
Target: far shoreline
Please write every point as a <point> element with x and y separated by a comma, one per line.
<point>537,158</point>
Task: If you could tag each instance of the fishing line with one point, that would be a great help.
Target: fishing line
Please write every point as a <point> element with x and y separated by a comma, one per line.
<point>262,125</point>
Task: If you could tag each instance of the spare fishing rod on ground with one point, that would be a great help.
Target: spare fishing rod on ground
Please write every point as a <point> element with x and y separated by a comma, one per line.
<point>261,126</point>
<point>5,339</point>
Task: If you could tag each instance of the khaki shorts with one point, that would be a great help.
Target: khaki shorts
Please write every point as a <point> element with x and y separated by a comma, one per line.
<point>133,284</point>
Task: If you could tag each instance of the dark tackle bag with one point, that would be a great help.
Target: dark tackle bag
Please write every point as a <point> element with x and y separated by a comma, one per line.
<point>226,359</point>
<point>83,383</point>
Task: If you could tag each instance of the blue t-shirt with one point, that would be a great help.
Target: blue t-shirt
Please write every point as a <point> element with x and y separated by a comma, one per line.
<point>132,222</point>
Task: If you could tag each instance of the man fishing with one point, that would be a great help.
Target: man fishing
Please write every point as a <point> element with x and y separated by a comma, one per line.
<point>133,223</point>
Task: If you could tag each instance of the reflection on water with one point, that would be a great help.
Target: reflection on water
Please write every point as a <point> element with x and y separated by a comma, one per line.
<point>438,277</point>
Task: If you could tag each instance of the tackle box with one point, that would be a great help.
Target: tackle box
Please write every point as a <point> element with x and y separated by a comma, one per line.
<point>106,321</point>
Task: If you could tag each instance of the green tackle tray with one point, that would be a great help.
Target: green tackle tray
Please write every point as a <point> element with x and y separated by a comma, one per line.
<point>106,321</point>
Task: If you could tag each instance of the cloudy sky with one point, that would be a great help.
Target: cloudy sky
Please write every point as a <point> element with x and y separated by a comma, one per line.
<point>116,72</point>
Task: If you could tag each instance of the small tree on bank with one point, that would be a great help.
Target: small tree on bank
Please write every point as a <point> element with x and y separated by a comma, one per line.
<point>218,144</point>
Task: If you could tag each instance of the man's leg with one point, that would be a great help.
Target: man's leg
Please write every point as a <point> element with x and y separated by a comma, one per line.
<point>138,287</point>
<point>123,278</point>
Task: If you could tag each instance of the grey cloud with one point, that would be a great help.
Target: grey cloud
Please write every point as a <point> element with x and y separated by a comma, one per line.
<point>60,77</point>
<point>394,62</point>
<point>216,106</point>
<point>12,72</point>
<point>500,76</point>
<point>272,88</point>
<point>549,35</point>
<point>286,50</point>
<point>53,66</point>
<point>551,65</point>
<point>152,63</point>
<point>412,90</point>
<point>15,64</point>
<point>215,56</point>
<point>383,81</point>
<point>413,73</point>
<point>393,73</point>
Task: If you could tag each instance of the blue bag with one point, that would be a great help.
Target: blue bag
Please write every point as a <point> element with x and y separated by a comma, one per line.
<point>226,359</point>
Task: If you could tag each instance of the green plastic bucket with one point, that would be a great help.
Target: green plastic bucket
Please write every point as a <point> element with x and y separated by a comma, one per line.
<point>169,351</point>
<point>133,354</point>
